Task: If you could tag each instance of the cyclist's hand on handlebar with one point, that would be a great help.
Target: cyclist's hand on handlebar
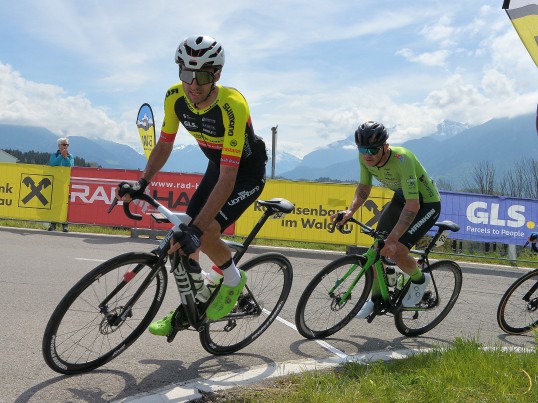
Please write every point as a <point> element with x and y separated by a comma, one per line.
<point>126,190</point>
<point>341,217</point>
<point>189,239</point>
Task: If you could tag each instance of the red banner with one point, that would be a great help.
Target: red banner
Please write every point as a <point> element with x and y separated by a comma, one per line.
<point>92,191</point>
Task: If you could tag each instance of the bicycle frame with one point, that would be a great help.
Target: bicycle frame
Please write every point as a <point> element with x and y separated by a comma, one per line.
<point>194,311</point>
<point>372,258</point>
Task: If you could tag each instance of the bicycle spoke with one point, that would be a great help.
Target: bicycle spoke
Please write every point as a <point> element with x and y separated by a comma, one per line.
<point>321,310</point>
<point>518,308</point>
<point>268,284</point>
<point>80,336</point>
<point>437,302</point>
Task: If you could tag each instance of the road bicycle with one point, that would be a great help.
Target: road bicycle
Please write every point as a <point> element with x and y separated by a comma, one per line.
<point>112,305</point>
<point>337,293</point>
<point>518,309</point>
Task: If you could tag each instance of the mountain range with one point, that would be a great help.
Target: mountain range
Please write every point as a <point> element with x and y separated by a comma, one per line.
<point>449,154</point>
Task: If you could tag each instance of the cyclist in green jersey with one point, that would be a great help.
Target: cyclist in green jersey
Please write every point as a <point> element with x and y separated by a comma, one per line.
<point>413,210</point>
<point>218,118</point>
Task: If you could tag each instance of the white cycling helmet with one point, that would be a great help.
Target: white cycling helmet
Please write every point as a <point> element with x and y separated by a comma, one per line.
<point>196,52</point>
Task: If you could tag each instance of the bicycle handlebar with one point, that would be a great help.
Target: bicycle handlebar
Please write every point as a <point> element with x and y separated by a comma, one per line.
<point>126,205</point>
<point>368,230</point>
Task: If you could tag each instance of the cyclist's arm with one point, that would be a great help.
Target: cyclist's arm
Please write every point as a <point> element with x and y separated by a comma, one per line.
<point>158,157</point>
<point>361,195</point>
<point>220,193</point>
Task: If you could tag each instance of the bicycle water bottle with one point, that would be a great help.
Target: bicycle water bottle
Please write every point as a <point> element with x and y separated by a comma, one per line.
<point>391,276</point>
<point>402,280</point>
<point>201,291</point>
<point>212,276</point>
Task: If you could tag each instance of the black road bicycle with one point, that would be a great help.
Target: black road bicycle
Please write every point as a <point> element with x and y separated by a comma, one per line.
<point>518,309</point>
<point>112,305</point>
<point>337,293</point>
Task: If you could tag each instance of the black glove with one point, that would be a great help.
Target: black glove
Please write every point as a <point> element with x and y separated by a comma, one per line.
<point>189,238</point>
<point>133,189</point>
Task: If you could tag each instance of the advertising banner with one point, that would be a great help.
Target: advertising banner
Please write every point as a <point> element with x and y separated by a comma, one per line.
<point>34,192</point>
<point>93,189</point>
<point>486,218</point>
<point>314,205</point>
<point>146,128</point>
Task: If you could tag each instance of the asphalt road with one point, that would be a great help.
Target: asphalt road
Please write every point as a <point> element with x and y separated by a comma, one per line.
<point>38,267</point>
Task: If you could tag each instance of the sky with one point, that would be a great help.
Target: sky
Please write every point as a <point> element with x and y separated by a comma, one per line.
<point>315,68</point>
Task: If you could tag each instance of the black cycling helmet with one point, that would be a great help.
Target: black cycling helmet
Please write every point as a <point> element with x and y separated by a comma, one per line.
<point>371,134</point>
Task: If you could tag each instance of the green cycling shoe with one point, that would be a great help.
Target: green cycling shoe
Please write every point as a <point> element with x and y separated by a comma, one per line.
<point>163,326</point>
<point>226,299</point>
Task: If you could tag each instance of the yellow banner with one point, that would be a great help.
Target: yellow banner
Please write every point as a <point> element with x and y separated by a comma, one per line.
<point>314,205</point>
<point>34,192</point>
<point>146,128</point>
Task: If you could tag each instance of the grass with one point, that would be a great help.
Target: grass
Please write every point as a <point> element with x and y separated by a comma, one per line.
<point>465,372</point>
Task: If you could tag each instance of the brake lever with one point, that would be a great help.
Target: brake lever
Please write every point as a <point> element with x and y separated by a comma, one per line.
<point>113,204</point>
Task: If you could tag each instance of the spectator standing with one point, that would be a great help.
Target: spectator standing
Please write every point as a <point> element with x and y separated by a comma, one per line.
<point>61,158</point>
<point>532,239</point>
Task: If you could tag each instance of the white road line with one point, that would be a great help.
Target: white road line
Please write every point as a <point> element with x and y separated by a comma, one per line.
<point>89,260</point>
<point>322,343</point>
<point>191,390</point>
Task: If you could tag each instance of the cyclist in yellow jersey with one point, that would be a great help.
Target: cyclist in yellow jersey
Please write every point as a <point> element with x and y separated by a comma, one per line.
<point>219,119</point>
<point>410,214</point>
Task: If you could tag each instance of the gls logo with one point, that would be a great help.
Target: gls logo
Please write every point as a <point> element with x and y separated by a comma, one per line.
<point>478,213</point>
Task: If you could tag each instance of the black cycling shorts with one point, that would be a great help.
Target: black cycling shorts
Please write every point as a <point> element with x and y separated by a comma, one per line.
<point>426,217</point>
<point>246,191</point>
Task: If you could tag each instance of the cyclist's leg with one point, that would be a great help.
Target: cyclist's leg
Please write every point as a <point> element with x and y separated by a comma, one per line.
<point>246,191</point>
<point>424,220</point>
<point>387,221</point>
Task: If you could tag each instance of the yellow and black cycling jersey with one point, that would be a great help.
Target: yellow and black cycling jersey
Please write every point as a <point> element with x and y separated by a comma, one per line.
<point>223,130</point>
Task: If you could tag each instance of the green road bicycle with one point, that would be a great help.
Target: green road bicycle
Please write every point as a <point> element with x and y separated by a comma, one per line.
<point>518,309</point>
<point>112,305</point>
<point>337,293</point>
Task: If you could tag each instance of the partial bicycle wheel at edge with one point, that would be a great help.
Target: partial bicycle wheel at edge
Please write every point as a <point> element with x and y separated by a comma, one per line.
<point>518,309</point>
<point>79,337</point>
<point>435,306</point>
<point>269,279</point>
<point>320,311</point>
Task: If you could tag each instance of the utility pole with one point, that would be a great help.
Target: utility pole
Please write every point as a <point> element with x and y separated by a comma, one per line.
<point>273,160</point>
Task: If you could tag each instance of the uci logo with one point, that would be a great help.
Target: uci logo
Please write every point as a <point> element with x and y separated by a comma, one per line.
<point>481,213</point>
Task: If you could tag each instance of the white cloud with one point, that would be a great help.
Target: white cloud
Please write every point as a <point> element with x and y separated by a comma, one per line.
<point>315,69</point>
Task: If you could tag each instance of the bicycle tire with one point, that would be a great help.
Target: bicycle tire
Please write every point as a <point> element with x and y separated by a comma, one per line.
<point>448,280</point>
<point>269,279</point>
<point>318,315</point>
<point>518,312</point>
<point>78,338</point>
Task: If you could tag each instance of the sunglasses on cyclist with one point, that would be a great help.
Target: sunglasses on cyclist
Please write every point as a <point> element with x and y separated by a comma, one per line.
<point>369,151</point>
<point>202,77</point>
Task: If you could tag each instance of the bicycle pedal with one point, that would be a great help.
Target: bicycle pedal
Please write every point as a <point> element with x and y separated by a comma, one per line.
<point>170,338</point>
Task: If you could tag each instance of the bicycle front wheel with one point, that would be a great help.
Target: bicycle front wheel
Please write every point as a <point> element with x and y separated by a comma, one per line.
<point>518,309</point>
<point>439,298</point>
<point>84,333</point>
<point>322,309</point>
<point>269,279</point>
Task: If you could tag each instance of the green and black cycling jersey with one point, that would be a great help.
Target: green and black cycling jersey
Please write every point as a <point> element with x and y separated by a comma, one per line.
<point>403,174</point>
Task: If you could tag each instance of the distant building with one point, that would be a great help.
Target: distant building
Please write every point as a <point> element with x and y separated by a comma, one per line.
<point>5,157</point>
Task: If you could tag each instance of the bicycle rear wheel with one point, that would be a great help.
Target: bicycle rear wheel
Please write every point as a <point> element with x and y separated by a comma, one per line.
<point>269,279</point>
<point>81,336</point>
<point>320,311</point>
<point>438,300</point>
<point>518,309</point>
